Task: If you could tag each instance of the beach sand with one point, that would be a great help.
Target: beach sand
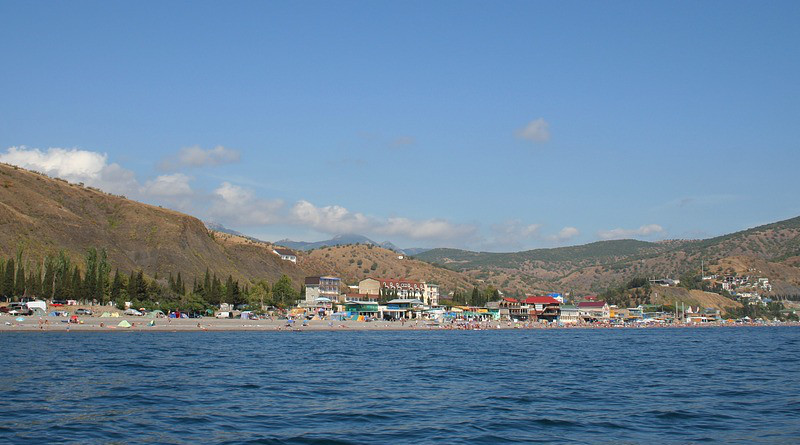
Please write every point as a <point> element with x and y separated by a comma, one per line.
<point>141,324</point>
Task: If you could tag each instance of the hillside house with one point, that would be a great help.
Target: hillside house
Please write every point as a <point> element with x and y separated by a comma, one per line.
<point>285,254</point>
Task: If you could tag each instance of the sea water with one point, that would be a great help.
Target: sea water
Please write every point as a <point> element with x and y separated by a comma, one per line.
<point>725,385</point>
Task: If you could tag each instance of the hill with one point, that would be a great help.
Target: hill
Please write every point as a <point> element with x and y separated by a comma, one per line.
<point>358,261</point>
<point>600,265</point>
<point>346,239</point>
<point>338,240</point>
<point>44,215</point>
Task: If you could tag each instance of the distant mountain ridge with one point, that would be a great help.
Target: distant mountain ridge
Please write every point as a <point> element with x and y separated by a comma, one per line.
<point>596,266</point>
<point>345,239</point>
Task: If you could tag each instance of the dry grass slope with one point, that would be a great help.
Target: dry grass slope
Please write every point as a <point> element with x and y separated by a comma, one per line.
<point>46,215</point>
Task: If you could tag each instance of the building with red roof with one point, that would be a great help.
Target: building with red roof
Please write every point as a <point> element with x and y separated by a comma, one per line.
<point>594,310</point>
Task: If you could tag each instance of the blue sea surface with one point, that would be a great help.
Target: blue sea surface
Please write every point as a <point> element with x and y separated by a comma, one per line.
<point>724,385</point>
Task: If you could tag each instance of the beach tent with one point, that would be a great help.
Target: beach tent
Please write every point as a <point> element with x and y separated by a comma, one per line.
<point>360,318</point>
<point>105,315</point>
<point>124,324</point>
<point>151,323</point>
<point>339,316</point>
<point>37,311</point>
<point>115,315</point>
<point>20,319</point>
<point>155,314</point>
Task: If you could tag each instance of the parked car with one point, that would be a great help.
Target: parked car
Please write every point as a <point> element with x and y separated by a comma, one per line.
<point>59,303</point>
<point>83,311</point>
<point>132,311</point>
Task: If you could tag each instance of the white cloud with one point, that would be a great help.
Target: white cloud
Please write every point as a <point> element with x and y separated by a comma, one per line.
<point>329,219</point>
<point>74,165</point>
<point>431,229</point>
<point>169,186</point>
<point>619,233</point>
<point>565,234</point>
<point>197,156</point>
<point>511,235</point>
<point>235,205</point>
<point>537,130</point>
<point>337,220</point>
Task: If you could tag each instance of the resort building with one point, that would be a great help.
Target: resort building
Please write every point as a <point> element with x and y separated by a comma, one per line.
<point>322,287</point>
<point>509,309</point>
<point>431,297</point>
<point>568,314</point>
<point>362,308</point>
<point>594,310</point>
<point>397,288</point>
<point>541,308</point>
<point>403,308</point>
<point>285,254</point>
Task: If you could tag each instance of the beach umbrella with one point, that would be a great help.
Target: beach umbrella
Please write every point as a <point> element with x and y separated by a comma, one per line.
<point>20,319</point>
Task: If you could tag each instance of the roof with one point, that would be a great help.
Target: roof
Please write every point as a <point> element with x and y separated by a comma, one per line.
<point>510,300</point>
<point>312,280</point>
<point>282,251</point>
<point>388,281</point>
<point>540,300</point>
<point>404,300</point>
<point>591,304</point>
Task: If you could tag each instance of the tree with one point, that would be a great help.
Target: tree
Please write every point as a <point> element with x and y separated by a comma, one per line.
<point>116,286</point>
<point>77,284</point>
<point>19,283</point>
<point>141,286</point>
<point>103,273</point>
<point>90,278</point>
<point>259,295</point>
<point>284,293</point>
<point>8,280</point>
<point>180,288</point>
<point>475,298</point>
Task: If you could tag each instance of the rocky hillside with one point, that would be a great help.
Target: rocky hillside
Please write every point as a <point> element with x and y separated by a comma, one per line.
<point>597,266</point>
<point>44,215</point>
<point>357,261</point>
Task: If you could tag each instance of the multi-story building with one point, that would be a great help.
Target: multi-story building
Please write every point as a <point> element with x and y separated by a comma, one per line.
<point>541,308</point>
<point>594,310</point>
<point>398,288</point>
<point>322,287</point>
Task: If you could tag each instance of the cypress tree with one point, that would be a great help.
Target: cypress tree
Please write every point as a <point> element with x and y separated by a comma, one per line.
<point>8,280</point>
<point>77,284</point>
<point>179,286</point>
<point>19,283</point>
<point>207,286</point>
<point>103,272</point>
<point>116,286</point>
<point>229,290</point>
<point>132,286</point>
<point>90,279</point>
<point>141,286</point>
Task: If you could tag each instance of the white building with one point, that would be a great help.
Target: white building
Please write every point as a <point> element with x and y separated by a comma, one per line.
<point>285,254</point>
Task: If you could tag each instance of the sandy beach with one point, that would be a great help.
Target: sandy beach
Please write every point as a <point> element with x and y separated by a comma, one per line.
<point>140,324</point>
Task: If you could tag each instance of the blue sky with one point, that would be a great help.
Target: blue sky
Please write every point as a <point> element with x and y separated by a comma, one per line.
<point>485,125</point>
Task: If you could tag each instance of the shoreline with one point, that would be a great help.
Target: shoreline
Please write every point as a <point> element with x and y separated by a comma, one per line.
<point>97,324</point>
